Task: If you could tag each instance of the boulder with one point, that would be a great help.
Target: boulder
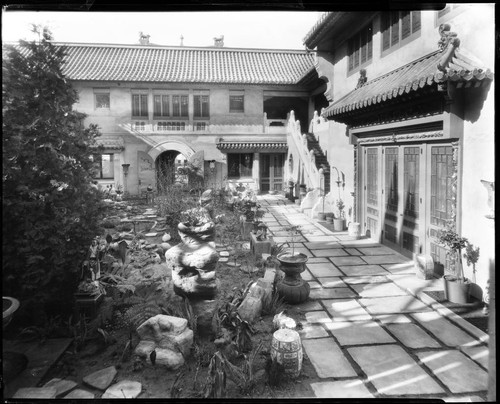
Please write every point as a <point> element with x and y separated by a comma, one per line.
<point>250,308</point>
<point>164,357</point>
<point>123,389</point>
<point>101,379</point>
<point>61,386</point>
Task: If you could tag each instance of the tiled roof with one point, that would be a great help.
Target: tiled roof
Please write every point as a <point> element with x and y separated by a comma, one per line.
<point>424,72</point>
<point>112,144</point>
<point>229,145</point>
<point>185,64</point>
<point>314,32</point>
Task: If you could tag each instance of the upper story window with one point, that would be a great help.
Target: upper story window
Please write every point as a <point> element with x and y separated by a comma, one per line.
<point>180,105</point>
<point>161,105</point>
<point>359,48</point>
<point>101,98</point>
<point>236,102</point>
<point>201,106</point>
<point>103,166</point>
<point>398,27</point>
<point>140,105</point>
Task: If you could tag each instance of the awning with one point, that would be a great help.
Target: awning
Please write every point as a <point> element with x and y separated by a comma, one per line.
<point>424,72</point>
<point>249,145</point>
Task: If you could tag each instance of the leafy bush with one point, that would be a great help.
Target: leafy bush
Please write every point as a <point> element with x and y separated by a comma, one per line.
<point>50,210</point>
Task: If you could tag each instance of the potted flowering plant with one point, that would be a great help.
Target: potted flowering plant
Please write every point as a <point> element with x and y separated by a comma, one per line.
<point>456,286</point>
<point>339,222</point>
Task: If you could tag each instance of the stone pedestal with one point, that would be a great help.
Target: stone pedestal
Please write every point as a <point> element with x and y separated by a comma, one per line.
<point>260,247</point>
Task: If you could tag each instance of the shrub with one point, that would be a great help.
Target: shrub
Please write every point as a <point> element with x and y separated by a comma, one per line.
<point>50,211</point>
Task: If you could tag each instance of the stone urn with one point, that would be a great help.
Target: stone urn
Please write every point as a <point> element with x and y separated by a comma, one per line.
<point>193,261</point>
<point>293,288</point>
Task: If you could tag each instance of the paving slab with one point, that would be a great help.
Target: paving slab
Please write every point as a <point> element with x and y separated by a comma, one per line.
<point>445,331</point>
<point>314,285</point>
<point>61,386</point>
<point>358,333</point>
<point>412,336</point>
<point>415,285</point>
<point>317,317</point>
<point>332,282</point>
<point>402,268</point>
<point>306,275</point>
<point>480,354</point>
<point>326,242</point>
<point>341,389</point>
<point>392,371</point>
<point>309,331</point>
<point>327,358</point>
<point>376,250</point>
<point>323,269</point>
<point>392,318</point>
<point>457,372</point>
<point>304,251</point>
<point>346,310</point>
<point>352,251</point>
<point>385,259</point>
<point>101,379</point>
<point>393,305</point>
<point>332,293</point>
<point>286,239</point>
<point>379,290</point>
<point>362,270</point>
<point>35,393</point>
<point>317,260</point>
<point>79,393</point>
<point>329,252</point>
<point>123,389</point>
<point>347,260</point>
<point>362,242</point>
<point>353,280</point>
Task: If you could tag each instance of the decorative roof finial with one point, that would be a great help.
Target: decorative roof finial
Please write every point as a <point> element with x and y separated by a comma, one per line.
<point>182,40</point>
<point>447,37</point>
<point>362,78</point>
<point>219,41</point>
<point>143,38</point>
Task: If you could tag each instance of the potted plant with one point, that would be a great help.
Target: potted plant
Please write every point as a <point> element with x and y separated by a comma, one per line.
<point>456,286</point>
<point>329,217</point>
<point>292,288</point>
<point>339,222</point>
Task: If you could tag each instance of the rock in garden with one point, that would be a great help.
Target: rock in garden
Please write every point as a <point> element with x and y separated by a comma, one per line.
<point>165,246</point>
<point>171,359</point>
<point>101,379</point>
<point>79,393</point>
<point>35,392</point>
<point>151,234</point>
<point>250,308</point>
<point>204,310</point>
<point>61,386</point>
<point>123,389</point>
<point>281,320</point>
<point>167,332</point>
<point>166,237</point>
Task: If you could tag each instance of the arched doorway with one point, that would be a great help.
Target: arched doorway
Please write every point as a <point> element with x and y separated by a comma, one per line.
<point>167,166</point>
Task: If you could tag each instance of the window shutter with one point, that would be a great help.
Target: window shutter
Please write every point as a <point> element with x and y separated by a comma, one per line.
<point>405,25</point>
<point>415,21</point>
<point>144,105</point>
<point>394,28</point>
<point>386,32</point>
<point>157,105</point>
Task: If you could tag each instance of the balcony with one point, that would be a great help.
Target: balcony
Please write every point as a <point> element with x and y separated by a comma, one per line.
<point>172,126</point>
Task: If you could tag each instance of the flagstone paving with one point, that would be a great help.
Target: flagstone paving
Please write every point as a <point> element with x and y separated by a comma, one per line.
<point>369,332</point>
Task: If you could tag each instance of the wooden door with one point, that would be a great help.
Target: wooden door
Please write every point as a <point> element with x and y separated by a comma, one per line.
<point>371,191</point>
<point>271,171</point>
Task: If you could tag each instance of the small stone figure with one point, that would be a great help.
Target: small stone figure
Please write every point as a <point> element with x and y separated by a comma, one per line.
<point>261,232</point>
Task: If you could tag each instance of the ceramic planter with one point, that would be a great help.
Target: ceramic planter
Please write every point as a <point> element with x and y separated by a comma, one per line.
<point>321,216</point>
<point>329,219</point>
<point>293,289</point>
<point>455,291</point>
<point>338,224</point>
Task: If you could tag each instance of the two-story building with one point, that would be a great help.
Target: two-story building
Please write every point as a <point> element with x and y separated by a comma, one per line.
<point>410,123</point>
<point>222,109</point>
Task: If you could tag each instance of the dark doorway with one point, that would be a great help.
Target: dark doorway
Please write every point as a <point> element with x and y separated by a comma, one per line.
<point>280,107</point>
<point>167,165</point>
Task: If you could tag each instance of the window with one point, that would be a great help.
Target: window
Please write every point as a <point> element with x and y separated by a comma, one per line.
<point>177,126</point>
<point>139,105</point>
<point>101,98</point>
<point>397,26</point>
<point>103,166</point>
<point>180,105</point>
<point>239,165</point>
<point>161,105</point>
<point>360,48</point>
<point>200,126</point>
<point>201,106</point>
<point>237,103</point>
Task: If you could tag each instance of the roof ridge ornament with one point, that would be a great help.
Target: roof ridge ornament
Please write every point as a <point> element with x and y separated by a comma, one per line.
<point>447,44</point>
<point>362,78</point>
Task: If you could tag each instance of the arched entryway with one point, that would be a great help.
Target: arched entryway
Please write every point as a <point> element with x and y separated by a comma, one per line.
<point>167,166</point>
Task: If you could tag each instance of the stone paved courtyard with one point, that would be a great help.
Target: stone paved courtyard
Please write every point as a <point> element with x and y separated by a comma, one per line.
<point>370,331</point>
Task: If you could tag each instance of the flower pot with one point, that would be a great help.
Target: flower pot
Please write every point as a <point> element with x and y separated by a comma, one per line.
<point>321,216</point>
<point>338,224</point>
<point>355,230</point>
<point>329,219</point>
<point>455,291</point>
<point>293,289</point>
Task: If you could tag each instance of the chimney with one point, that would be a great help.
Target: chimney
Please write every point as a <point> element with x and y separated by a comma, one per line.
<point>143,39</point>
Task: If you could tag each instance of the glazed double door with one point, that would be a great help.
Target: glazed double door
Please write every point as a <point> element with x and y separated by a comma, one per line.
<point>408,195</point>
<point>271,171</point>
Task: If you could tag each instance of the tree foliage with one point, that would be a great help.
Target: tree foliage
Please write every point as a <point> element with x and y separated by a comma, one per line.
<point>50,211</point>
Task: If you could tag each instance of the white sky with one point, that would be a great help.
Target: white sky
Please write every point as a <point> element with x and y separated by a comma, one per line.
<point>241,29</point>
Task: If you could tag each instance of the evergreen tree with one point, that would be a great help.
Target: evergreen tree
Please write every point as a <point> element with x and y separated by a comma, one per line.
<point>50,211</point>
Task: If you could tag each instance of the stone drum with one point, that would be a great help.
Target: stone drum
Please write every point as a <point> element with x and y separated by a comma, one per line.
<point>286,349</point>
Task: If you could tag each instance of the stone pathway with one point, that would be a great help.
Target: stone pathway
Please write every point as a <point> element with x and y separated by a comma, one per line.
<point>369,331</point>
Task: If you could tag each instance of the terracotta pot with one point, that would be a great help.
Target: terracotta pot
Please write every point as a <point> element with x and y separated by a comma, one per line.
<point>293,288</point>
<point>455,291</point>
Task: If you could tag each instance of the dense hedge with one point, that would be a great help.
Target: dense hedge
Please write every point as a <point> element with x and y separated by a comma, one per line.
<point>50,211</point>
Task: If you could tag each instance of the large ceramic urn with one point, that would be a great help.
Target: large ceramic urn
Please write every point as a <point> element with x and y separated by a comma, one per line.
<point>292,288</point>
